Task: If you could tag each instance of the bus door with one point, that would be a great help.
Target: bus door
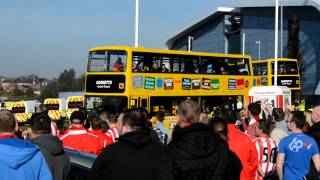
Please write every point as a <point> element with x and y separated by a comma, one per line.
<point>139,102</point>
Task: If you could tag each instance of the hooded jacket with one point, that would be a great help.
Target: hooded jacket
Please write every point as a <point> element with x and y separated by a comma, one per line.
<point>195,152</point>
<point>52,149</point>
<point>134,156</point>
<point>22,160</point>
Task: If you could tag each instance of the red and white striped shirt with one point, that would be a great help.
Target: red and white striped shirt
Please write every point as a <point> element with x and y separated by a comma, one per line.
<point>54,129</point>
<point>113,134</point>
<point>267,149</point>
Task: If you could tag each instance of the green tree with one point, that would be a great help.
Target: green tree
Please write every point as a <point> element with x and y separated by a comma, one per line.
<point>2,92</point>
<point>17,94</point>
<point>80,82</point>
<point>29,94</point>
<point>67,80</point>
<point>51,91</point>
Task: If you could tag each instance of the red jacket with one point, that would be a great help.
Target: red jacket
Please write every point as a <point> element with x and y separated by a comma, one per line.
<point>104,139</point>
<point>243,147</point>
<point>82,140</point>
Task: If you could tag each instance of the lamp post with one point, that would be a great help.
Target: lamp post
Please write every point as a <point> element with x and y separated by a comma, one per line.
<point>259,48</point>
<point>281,28</point>
<point>276,29</point>
<point>136,37</point>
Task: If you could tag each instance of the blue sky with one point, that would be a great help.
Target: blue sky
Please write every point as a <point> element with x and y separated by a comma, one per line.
<point>44,37</point>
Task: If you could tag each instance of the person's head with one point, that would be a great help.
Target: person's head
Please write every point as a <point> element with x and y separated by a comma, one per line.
<point>263,127</point>
<point>96,123</point>
<point>160,116</point>
<point>154,66</point>
<point>254,109</point>
<point>8,123</point>
<point>43,108</point>
<point>104,116</point>
<point>308,115</point>
<point>278,114</point>
<point>189,111</point>
<point>316,114</point>
<point>229,116</point>
<point>132,120</point>
<point>40,123</point>
<point>119,60</point>
<point>296,120</point>
<point>219,126</point>
<point>78,118</point>
<point>203,118</point>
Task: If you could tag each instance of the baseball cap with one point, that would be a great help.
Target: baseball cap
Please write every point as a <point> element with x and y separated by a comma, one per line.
<point>77,117</point>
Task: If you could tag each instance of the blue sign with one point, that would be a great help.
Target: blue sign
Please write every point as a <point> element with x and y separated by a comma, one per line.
<point>159,83</point>
<point>186,83</point>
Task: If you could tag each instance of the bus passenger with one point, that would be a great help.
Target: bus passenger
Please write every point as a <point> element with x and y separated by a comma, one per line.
<point>155,68</point>
<point>118,66</point>
<point>145,68</point>
<point>224,70</point>
<point>164,68</point>
<point>135,67</point>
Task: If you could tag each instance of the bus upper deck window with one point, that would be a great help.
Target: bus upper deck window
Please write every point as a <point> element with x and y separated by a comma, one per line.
<point>118,66</point>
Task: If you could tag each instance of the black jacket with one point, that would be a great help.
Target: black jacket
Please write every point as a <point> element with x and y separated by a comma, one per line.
<point>134,156</point>
<point>52,150</point>
<point>195,152</point>
<point>314,131</point>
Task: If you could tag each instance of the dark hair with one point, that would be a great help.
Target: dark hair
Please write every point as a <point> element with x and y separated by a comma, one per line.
<point>230,116</point>
<point>7,121</point>
<point>96,123</point>
<point>135,119</point>
<point>77,117</point>
<point>160,116</point>
<point>298,118</point>
<point>213,122</point>
<point>254,109</point>
<point>278,114</point>
<point>265,126</point>
<point>40,123</point>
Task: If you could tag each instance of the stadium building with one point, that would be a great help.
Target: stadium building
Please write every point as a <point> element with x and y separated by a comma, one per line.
<point>249,26</point>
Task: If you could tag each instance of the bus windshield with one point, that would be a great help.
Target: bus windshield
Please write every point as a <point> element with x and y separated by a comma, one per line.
<point>52,106</point>
<point>286,67</point>
<point>75,104</point>
<point>18,110</point>
<point>107,61</point>
<point>113,104</point>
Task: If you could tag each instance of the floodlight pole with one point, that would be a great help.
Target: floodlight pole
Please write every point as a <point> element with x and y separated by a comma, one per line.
<point>136,37</point>
<point>276,29</point>
<point>259,49</point>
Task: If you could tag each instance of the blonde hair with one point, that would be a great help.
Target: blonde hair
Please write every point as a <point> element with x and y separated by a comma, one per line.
<point>308,114</point>
<point>189,111</point>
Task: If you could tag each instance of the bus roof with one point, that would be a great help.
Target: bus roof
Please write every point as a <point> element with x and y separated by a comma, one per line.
<point>164,51</point>
<point>279,59</point>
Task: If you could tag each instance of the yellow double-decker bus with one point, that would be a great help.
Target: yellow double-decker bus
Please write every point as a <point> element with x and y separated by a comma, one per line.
<point>120,77</point>
<point>288,74</point>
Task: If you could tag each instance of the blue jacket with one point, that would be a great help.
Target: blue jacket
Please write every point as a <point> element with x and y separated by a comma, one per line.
<point>22,160</point>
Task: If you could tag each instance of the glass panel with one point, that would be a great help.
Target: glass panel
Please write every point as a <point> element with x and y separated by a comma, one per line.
<point>113,104</point>
<point>107,61</point>
<point>286,67</point>
<point>52,106</point>
<point>18,110</point>
<point>260,69</point>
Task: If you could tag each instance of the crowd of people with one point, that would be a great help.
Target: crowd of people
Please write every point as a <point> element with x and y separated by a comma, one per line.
<point>253,144</point>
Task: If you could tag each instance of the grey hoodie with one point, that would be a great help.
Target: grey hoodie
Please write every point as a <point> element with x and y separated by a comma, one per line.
<point>52,149</point>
